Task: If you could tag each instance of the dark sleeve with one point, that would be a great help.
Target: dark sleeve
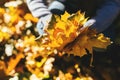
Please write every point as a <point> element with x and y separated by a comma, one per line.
<point>106,15</point>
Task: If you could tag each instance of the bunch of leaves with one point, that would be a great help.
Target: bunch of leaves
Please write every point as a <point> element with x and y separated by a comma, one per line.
<point>67,34</point>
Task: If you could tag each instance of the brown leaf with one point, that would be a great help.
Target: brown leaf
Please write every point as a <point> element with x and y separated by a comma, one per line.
<point>88,39</point>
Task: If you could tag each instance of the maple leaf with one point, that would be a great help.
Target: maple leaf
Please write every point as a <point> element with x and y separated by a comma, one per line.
<point>64,30</point>
<point>65,16</point>
<point>65,35</point>
<point>88,39</point>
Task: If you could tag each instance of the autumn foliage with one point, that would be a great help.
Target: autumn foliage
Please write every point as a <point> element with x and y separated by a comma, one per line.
<point>66,35</point>
<point>20,50</point>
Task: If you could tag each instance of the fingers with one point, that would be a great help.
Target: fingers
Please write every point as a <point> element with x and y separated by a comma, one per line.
<point>40,27</point>
<point>43,24</point>
<point>89,23</point>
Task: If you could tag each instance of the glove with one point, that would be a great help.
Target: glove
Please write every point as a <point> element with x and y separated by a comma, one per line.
<point>43,24</point>
<point>89,23</point>
<point>56,7</point>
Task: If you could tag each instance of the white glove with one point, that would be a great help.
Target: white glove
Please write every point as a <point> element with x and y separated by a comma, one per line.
<point>89,23</point>
<point>43,24</point>
<point>57,7</point>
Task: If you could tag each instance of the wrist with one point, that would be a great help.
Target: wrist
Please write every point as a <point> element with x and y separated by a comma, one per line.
<point>57,7</point>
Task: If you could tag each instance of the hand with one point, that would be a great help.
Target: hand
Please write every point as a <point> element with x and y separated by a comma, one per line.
<point>57,7</point>
<point>89,23</point>
<point>43,24</point>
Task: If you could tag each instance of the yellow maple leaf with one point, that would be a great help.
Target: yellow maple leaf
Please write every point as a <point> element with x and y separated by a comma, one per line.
<point>65,35</point>
<point>65,29</point>
<point>65,16</point>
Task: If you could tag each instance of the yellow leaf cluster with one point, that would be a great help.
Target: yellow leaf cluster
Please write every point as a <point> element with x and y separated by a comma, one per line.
<point>65,29</point>
<point>65,35</point>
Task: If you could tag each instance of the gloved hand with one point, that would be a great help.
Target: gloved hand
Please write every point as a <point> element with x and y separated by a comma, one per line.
<point>89,23</point>
<point>57,7</point>
<point>43,24</point>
